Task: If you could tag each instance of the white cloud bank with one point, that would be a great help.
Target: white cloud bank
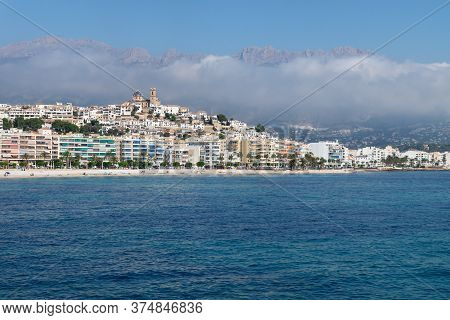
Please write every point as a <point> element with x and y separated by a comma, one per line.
<point>378,87</point>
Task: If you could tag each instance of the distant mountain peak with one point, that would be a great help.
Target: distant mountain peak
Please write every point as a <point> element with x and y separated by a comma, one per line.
<point>24,49</point>
<point>266,55</point>
<point>269,55</point>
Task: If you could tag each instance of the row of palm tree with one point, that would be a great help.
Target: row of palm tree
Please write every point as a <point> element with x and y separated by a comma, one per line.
<point>286,160</point>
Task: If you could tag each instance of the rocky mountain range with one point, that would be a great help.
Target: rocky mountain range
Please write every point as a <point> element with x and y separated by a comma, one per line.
<point>130,56</point>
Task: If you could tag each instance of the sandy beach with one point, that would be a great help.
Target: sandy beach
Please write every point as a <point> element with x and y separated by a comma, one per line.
<point>55,173</point>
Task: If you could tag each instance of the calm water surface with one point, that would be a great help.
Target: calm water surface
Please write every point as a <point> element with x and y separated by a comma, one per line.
<point>357,236</point>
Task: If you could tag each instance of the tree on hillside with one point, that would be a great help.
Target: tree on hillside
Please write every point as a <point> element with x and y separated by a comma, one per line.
<point>260,128</point>
<point>93,127</point>
<point>170,116</point>
<point>7,124</point>
<point>222,118</point>
<point>115,132</point>
<point>61,126</point>
<point>32,124</point>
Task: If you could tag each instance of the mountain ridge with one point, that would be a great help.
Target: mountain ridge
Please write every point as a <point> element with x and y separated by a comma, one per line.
<point>267,55</point>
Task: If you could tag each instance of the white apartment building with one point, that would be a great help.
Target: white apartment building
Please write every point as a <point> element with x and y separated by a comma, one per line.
<point>59,111</point>
<point>27,112</point>
<point>171,109</point>
<point>372,156</point>
<point>417,157</point>
<point>369,157</point>
<point>446,159</point>
<point>211,152</point>
<point>332,152</point>
<point>238,125</point>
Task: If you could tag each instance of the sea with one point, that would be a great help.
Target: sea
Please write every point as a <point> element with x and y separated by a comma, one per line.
<point>375,235</point>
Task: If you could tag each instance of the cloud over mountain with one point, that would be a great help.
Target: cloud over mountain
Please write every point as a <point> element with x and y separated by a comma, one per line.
<point>253,85</point>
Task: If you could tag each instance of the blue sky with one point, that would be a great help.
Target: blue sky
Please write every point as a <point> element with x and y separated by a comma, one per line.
<point>223,27</point>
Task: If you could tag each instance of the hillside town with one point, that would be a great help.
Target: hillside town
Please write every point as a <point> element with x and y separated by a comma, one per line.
<point>143,133</point>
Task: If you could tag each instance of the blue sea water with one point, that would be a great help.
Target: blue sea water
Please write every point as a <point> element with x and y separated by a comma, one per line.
<point>355,236</point>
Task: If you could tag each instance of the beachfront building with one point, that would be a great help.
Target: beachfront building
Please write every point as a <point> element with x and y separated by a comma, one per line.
<point>183,153</point>
<point>141,149</point>
<point>334,153</point>
<point>369,157</point>
<point>20,147</point>
<point>211,152</point>
<point>233,153</point>
<point>289,149</point>
<point>263,151</point>
<point>417,158</point>
<point>86,148</point>
<point>437,159</point>
<point>446,159</point>
<point>373,157</point>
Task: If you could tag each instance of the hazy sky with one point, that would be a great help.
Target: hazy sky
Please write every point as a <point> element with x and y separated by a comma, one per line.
<point>224,27</point>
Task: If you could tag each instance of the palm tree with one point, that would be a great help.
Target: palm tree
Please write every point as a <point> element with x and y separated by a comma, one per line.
<point>94,160</point>
<point>143,158</point>
<point>279,157</point>
<point>26,157</point>
<point>257,163</point>
<point>108,156</point>
<point>77,160</point>
<point>240,157</point>
<point>113,160</point>
<point>266,156</point>
<point>249,158</point>
<point>230,159</point>
<point>292,161</point>
<point>321,162</point>
<point>221,160</point>
<point>66,155</point>
<point>44,155</point>
<point>154,158</point>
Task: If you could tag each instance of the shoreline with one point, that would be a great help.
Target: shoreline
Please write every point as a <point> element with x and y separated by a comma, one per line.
<point>71,173</point>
